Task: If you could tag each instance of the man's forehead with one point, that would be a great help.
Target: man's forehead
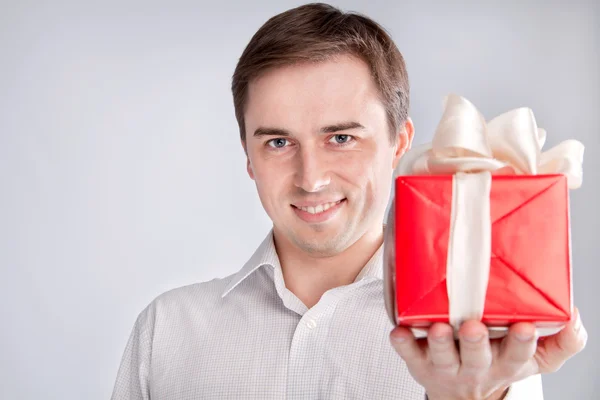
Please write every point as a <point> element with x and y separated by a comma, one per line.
<point>327,92</point>
<point>342,71</point>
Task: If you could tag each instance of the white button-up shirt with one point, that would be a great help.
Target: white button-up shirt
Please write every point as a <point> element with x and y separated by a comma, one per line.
<point>247,336</point>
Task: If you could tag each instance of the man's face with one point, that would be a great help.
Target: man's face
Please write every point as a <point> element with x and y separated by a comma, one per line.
<point>319,150</point>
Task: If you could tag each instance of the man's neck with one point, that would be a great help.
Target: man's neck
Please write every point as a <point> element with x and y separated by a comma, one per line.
<point>309,276</point>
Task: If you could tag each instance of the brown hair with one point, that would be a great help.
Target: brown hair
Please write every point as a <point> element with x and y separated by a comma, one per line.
<point>316,32</point>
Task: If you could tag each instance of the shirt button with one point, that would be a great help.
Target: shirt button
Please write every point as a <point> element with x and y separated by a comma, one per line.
<point>311,324</point>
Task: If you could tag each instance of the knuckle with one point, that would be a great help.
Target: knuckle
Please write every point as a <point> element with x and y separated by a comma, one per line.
<point>553,367</point>
<point>478,364</point>
<point>477,361</point>
<point>548,367</point>
<point>472,346</point>
<point>517,356</point>
<point>475,371</point>
<point>406,354</point>
<point>401,351</point>
<point>563,346</point>
<point>445,367</point>
<point>509,369</point>
<point>573,345</point>
<point>440,349</point>
<point>473,377</point>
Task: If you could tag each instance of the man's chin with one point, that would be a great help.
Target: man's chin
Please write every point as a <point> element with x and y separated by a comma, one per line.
<point>323,241</point>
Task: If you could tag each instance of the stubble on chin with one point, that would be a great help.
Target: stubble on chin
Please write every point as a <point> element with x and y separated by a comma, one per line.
<point>322,245</point>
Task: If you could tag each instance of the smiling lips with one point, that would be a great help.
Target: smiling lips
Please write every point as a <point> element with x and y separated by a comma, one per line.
<point>318,213</point>
<point>319,208</point>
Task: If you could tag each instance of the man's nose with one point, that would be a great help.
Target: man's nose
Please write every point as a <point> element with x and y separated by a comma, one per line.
<point>312,173</point>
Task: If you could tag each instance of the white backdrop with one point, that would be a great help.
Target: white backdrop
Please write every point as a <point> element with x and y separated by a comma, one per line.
<point>122,175</point>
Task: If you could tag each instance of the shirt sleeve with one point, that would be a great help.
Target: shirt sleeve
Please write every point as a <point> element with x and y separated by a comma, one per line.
<point>527,389</point>
<point>132,381</point>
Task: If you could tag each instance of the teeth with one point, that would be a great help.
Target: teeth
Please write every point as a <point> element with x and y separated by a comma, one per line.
<point>320,208</point>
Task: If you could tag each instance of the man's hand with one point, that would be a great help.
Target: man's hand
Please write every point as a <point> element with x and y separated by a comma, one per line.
<point>481,368</point>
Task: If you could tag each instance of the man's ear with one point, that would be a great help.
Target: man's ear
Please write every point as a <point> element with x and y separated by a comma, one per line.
<point>404,140</point>
<point>249,168</point>
<point>248,164</point>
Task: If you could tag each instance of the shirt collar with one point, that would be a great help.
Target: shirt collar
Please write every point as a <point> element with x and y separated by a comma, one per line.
<point>266,254</point>
<point>374,267</point>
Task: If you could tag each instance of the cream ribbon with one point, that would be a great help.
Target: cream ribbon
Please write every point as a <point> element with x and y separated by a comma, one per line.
<point>469,247</point>
<point>472,150</point>
<point>511,143</point>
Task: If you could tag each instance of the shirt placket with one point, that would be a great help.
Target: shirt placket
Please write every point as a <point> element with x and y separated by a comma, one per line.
<point>307,348</point>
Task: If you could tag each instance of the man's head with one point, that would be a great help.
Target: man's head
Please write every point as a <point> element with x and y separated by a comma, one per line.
<point>321,99</point>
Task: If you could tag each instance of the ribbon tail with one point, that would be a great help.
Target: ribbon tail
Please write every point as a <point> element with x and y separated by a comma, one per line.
<point>565,158</point>
<point>469,247</point>
<point>414,161</point>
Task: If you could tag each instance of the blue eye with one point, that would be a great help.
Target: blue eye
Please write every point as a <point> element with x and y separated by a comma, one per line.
<point>341,139</point>
<point>277,143</point>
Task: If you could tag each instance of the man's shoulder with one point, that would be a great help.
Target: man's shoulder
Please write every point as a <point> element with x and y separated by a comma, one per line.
<point>204,293</point>
<point>212,291</point>
<point>184,301</point>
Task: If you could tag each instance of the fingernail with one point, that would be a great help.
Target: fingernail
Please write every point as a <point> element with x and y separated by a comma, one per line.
<point>441,339</point>
<point>577,325</point>
<point>524,337</point>
<point>398,339</point>
<point>473,339</point>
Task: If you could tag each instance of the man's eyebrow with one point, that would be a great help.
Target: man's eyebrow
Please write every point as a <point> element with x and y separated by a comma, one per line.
<point>270,132</point>
<point>343,126</point>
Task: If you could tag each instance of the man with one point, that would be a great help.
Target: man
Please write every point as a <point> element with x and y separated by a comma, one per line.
<point>322,100</point>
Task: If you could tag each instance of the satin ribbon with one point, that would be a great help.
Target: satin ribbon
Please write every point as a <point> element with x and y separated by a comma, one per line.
<point>472,150</point>
<point>511,143</point>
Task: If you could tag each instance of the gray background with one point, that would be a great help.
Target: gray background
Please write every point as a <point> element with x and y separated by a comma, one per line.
<point>122,175</point>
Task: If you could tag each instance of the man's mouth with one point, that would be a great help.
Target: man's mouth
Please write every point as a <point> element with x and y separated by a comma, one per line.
<point>319,208</point>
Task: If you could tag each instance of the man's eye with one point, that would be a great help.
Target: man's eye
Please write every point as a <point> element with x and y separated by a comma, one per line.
<point>341,139</point>
<point>278,143</point>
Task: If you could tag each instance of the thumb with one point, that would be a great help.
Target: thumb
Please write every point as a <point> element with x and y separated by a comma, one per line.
<point>553,351</point>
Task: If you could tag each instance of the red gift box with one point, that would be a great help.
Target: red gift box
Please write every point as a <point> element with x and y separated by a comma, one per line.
<point>530,265</point>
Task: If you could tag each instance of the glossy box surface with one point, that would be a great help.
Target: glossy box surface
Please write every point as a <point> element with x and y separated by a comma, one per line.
<point>530,266</point>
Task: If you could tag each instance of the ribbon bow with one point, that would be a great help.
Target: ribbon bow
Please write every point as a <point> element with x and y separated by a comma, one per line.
<point>511,143</point>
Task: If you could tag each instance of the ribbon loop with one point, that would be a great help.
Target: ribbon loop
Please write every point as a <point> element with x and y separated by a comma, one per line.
<point>510,143</point>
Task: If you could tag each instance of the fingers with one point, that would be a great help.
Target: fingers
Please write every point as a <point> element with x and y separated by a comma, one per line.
<point>518,355</point>
<point>517,350</point>
<point>554,350</point>
<point>475,350</point>
<point>407,347</point>
<point>442,349</point>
